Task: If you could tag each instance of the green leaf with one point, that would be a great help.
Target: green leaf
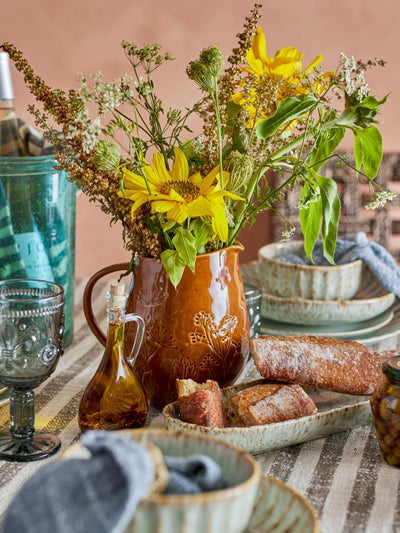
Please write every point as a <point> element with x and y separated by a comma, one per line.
<point>360,114</point>
<point>368,150</point>
<point>202,232</point>
<point>288,109</point>
<point>174,265</point>
<point>310,221</point>
<point>169,224</point>
<point>325,147</point>
<point>330,204</point>
<point>185,245</point>
<point>372,103</point>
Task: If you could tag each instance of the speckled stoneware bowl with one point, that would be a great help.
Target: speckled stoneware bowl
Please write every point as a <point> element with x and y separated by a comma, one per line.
<point>309,282</point>
<point>280,509</point>
<point>226,511</point>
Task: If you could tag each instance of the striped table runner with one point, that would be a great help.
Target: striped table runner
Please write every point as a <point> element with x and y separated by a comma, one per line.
<point>342,475</point>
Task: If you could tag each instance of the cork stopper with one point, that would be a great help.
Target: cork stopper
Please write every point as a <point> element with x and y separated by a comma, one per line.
<point>117,298</point>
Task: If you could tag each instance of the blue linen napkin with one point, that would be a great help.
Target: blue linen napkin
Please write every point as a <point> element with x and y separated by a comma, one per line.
<point>100,494</point>
<point>351,247</point>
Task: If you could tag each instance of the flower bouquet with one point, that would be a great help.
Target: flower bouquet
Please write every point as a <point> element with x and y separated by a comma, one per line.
<point>199,190</point>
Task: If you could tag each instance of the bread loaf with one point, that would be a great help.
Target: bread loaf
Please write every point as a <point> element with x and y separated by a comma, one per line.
<point>268,403</point>
<point>200,403</point>
<point>322,362</point>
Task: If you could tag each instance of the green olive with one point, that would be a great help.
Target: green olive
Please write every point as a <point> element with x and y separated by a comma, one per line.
<point>389,439</point>
<point>392,459</point>
<point>386,449</point>
<point>396,451</point>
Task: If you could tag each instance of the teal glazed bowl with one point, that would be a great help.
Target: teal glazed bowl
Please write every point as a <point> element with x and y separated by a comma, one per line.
<point>308,282</point>
<point>221,511</point>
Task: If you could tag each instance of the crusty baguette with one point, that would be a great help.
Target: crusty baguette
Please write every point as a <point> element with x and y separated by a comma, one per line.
<point>200,403</point>
<point>322,362</point>
<point>268,403</point>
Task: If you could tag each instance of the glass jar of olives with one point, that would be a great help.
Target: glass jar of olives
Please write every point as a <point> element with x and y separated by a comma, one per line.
<point>385,405</point>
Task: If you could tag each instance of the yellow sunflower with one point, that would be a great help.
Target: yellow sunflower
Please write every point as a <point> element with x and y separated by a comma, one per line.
<point>178,195</point>
<point>285,68</point>
<point>287,62</point>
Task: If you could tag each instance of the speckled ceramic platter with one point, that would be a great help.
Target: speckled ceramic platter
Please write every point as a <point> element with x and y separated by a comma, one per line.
<point>336,412</point>
<point>279,509</point>
<point>370,301</point>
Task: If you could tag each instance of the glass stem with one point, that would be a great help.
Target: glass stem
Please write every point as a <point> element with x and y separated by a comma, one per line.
<point>22,414</point>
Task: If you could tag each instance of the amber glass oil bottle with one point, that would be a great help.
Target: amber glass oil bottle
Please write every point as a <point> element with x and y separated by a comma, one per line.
<point>114,398</point>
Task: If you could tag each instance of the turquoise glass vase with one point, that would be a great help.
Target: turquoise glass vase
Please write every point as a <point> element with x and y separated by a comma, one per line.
<point>37,225</point>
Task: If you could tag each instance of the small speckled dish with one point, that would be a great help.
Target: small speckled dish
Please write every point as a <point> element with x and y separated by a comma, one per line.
<point>226,511</point>
<point>309,282</point>
<point>279,509</point>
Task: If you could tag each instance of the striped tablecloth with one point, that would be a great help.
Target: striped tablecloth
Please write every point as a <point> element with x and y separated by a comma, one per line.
<point>342,475</point>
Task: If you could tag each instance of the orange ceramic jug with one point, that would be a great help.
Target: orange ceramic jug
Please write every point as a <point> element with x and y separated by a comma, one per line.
<point>200,330</point>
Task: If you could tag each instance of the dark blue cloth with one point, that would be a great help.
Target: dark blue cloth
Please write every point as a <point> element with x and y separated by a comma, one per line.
<point>355,246</point>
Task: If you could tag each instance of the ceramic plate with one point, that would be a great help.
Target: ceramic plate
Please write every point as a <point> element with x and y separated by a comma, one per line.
<point>336,412</point>
<point>347,330</point>
<point>370,301</point>
<point>279,509</point>
<point>385,338</point>
<point>4,396</point>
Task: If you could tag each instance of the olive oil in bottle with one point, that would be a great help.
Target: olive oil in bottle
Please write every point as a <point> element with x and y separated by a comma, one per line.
<point>114,398</point>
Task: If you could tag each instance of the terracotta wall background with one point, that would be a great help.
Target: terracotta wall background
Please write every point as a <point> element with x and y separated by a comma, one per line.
<point>63,38</point>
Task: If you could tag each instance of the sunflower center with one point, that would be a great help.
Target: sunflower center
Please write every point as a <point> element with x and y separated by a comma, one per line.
<point>189,191</point>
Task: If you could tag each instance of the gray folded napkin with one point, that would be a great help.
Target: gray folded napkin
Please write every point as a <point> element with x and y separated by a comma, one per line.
<point>193,474</point>
<point>100,494</point>
<point>351,247</point>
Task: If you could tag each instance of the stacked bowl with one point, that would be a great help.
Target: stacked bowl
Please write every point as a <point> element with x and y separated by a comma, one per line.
<point>344,301</point>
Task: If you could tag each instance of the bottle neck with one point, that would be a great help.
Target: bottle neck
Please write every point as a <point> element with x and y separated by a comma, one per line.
<point>7,112</point>
<point>115,315</point>
<point>6,106</point>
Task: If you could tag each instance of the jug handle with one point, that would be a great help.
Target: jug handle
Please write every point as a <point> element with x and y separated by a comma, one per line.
<point>131,317</point>
<point>87,298</point>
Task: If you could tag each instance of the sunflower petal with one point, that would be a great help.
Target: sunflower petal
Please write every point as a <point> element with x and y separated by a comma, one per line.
<point>138,204</point>
<point>316,62</point>
<point>180,168</point>
<point>161,206</point>
<point>219,222</point>
<point>160,169</point>
<point>199,208</point>
<point>223,193</point>
<point>209,179</point>
<point>259,46</point>
<point>131,180</point>
<point>177,214</point>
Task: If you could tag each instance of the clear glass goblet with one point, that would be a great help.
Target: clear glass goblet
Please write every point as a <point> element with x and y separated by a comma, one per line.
<point>31,343</point>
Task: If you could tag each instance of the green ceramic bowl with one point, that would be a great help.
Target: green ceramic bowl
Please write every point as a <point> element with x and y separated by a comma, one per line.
<point>221,511</point>
<point>309,282</point>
